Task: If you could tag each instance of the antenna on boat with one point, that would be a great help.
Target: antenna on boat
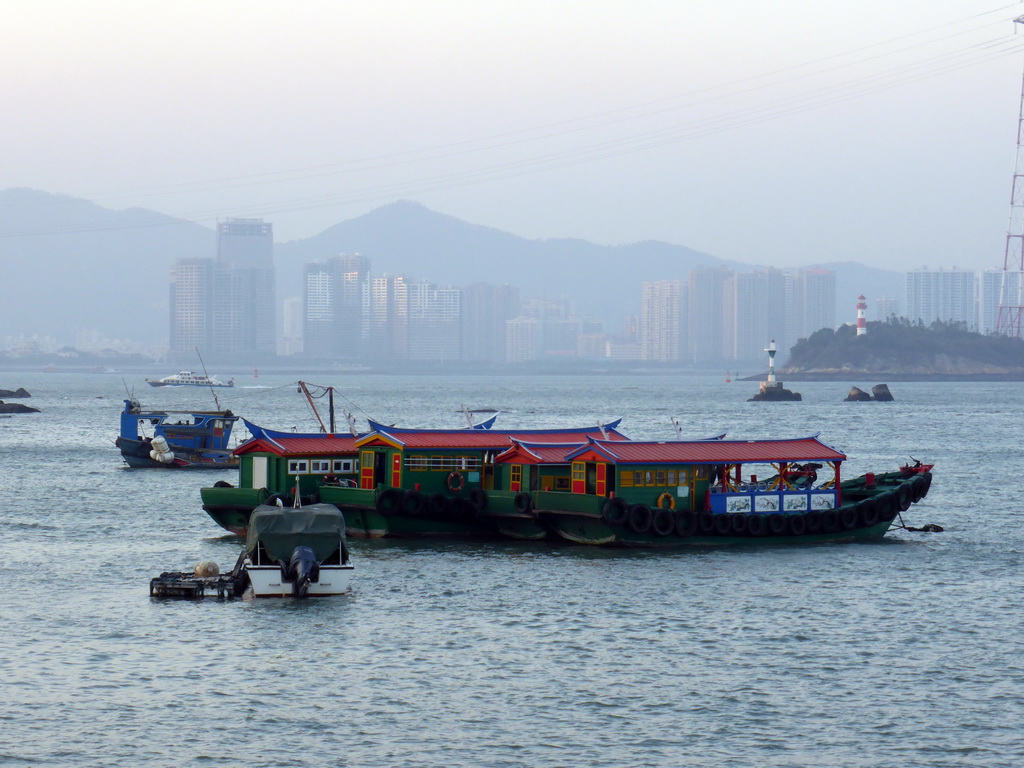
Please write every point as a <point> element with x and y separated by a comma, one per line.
<point>212,390</point>
<point>351,423</point>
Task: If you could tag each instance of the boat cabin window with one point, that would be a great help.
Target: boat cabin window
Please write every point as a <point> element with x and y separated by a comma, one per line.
<point>661,478</point>
<point>318,466</point>
<point>344,465</point>
<point>417,463</point>
<point>298,467</point>
<point>562,484</point>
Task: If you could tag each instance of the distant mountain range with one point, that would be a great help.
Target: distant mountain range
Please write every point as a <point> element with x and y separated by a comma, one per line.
<point>69,264</point>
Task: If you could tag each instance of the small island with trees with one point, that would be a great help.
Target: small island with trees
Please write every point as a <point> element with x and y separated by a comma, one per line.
<point>899,350</point>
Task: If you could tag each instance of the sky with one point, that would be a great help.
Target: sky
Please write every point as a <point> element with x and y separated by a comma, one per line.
<point>781,133</point>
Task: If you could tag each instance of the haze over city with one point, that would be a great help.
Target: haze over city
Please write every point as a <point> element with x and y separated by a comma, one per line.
<point>775,134</point>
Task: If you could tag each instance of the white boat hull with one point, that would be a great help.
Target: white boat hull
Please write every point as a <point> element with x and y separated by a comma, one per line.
<point>266,581</point>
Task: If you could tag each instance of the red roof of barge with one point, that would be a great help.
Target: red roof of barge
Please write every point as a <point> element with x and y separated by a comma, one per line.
<point>489,439</point>
<point>440,439</point>
<point>708,451</point>
<point>298,446</point>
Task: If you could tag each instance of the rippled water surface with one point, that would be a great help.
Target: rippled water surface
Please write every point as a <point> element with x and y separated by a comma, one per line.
<point>904,652</point>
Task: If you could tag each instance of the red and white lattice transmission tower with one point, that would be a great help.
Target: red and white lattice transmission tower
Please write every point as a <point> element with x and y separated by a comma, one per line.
<point>1011,287</point>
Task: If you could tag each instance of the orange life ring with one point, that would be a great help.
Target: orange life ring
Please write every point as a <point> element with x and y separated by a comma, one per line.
<point>671,501</point>
<point>456,481</point>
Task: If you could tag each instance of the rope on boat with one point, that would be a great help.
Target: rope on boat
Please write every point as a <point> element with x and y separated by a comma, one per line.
<point>928,528</point>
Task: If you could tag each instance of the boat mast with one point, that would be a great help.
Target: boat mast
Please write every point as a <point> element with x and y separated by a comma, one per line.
<point>304,389</point>
<point>213,392</point>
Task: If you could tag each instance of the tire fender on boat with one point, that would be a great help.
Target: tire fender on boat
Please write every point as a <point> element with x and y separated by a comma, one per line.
<point>671,501</point>
<point>868,512</point>
<point>523,502</point>
<point>776,524</point>
<point>904,497</point>
<point>706,522</point>
<point>413,503</point>
<point>756,525</point>
<point>686,523</point>
<point>640,518</point>
<point>739,523</point>
<point>918,488</point>
<point>614,511</point>
<point>797,524</point>
<point>849,518</point>
<point>830,521</point>
<point>663,522</point>
<point>478,498</point>
<point>388,503</point>
<point>723,525</point>
<point>812,521</point>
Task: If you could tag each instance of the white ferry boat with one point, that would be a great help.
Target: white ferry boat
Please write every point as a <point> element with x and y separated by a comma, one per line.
<point>189,379</point>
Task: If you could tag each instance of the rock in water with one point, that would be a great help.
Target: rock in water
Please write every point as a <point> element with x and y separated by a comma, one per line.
<point>774,392</point>
<point>19,392</point>
<point>881,392</point>
<point>16,408</point>
<point>857,395</point>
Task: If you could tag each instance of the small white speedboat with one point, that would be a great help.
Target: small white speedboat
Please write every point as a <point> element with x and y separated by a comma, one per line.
<point>296,552</point>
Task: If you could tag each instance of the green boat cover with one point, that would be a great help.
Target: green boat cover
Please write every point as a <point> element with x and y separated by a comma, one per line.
<point>281,529</point>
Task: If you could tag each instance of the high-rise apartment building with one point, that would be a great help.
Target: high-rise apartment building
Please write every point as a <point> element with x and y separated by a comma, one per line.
<point>755,313</point>
<point>705,315</point>
<point>810,302</point>
<point>662,313</point>
<point>337,308</point>
<point>244,306</point>
<point>191,303</point>
<point>225,306</point>
<point>485,309</point>
<point>945,295</point>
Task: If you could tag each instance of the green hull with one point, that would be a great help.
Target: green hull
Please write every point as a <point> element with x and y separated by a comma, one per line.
<point>594,532</point>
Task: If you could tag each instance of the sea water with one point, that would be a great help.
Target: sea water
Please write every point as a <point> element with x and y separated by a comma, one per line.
<point>901,652</point>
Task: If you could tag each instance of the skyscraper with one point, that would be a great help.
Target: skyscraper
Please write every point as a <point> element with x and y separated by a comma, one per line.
<point>244,305</point>
<point>191,302</point>
<point>661,321</point>
<point>705,313</point>
<point>946,295</point>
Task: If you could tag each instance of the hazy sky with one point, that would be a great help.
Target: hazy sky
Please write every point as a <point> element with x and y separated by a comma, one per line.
<point>779,133</point>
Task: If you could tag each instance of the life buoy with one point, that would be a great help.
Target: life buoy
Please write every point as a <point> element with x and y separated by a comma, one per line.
<point>614,511</point>
<point>663,523</point>
<point>671,501</point>
<point>686,523</point>
<point>523,502</point>
<point>456,482</point>
<point>756,525</point>
<point>640,517</point>
<point>739,524</point>
<point>797,525</point>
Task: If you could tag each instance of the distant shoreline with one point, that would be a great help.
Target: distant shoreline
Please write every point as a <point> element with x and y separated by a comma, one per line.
<point>882,377</point>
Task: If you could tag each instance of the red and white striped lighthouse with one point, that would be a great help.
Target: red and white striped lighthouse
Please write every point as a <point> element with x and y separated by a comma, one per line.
<point>862,325</point>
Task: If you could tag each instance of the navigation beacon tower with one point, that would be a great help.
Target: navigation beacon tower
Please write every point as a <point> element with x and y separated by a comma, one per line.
<point>1011,300</point>
<point>862,326</point>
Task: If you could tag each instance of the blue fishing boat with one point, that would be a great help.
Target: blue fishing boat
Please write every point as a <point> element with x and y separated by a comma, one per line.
<point>175,439</point>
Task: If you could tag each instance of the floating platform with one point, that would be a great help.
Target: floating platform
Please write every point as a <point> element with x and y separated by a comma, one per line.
<point>187,586</point>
